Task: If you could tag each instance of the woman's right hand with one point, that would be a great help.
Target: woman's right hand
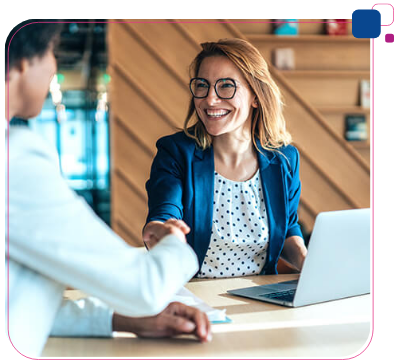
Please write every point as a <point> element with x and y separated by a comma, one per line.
<point>154,231</point>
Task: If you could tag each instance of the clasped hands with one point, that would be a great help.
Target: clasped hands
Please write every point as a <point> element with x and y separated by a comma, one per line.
<point>177,318</point>
<point>154,231</point>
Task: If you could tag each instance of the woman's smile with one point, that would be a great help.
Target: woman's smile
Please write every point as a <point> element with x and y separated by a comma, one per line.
<point>216,113</point>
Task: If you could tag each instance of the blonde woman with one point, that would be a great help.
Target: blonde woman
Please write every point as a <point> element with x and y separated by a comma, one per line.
<point>231,175</point>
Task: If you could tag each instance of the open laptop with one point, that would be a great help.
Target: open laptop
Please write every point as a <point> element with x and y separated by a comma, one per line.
<point>337,263</point>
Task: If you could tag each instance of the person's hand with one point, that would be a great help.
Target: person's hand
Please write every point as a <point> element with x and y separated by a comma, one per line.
<point>154,231</point>
<point>176,319</point>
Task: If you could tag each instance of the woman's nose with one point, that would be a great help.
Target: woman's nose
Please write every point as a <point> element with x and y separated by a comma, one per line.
<point>212,96</point>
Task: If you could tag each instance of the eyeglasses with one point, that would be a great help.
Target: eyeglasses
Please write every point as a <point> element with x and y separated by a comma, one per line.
<point>225,88</point>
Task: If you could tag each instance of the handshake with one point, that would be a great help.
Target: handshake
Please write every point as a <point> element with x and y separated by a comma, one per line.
<point>177,318</point>
<point>154,231</point>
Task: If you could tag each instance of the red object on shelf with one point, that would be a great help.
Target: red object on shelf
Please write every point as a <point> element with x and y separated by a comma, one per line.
<point>336,27</point>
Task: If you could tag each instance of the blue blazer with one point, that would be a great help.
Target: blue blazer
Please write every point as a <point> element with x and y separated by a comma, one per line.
<point>181,186</point>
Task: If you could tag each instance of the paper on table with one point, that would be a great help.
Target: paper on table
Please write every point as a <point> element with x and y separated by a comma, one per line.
<point>188,298</point>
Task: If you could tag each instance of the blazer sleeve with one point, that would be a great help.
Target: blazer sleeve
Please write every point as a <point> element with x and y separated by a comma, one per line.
<point>165,185</point>
<point>294,192</point>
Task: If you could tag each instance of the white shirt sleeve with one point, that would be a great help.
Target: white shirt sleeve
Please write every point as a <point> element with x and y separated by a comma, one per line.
<point>54,232</point>
<point>84,317</point>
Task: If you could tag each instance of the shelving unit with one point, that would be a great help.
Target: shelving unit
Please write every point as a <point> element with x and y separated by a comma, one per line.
<point>328,69</point>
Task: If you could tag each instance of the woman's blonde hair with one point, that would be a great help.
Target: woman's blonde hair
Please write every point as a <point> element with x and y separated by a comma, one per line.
<point>268,123</point>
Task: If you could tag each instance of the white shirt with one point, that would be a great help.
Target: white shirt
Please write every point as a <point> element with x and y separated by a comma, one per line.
<point>239,236</point>
<point>55,240</point>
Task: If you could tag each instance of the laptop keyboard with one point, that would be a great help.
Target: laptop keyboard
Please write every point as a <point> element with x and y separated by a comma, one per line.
<point>287,295</point>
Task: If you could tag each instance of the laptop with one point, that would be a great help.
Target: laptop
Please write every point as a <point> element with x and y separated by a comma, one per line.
<point>337,263</point>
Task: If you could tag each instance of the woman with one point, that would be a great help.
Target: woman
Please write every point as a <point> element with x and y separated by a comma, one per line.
<point>232,176</point>
<point>54,240</point>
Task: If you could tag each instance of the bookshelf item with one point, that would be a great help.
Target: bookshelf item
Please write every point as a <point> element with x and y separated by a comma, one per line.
<point>336,27</point>
<point>355,128</point>
<point>283,58</point>
<point>286,27</point>
<point>365,93</point>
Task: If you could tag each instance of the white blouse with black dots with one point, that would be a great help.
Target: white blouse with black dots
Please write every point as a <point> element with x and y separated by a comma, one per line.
<point>239,235</point>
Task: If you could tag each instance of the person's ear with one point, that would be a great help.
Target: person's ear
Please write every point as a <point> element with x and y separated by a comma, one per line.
<point>20,66</point>
<point>255,103</point>
<point>18,69</point>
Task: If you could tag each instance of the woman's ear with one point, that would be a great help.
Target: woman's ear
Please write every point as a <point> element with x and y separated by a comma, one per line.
<point>255,103</point>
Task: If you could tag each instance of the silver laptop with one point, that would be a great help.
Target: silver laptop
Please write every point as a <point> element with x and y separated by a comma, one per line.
<point>337,263</point>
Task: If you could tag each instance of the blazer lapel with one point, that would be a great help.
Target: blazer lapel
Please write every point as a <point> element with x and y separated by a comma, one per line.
<point>274,194</point>
<point>203,179</point>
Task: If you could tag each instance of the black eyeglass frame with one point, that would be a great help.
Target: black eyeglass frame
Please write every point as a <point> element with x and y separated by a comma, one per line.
<point>215,87</point>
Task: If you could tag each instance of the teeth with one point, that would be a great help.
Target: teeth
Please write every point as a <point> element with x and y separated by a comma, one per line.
<point>216,113</point>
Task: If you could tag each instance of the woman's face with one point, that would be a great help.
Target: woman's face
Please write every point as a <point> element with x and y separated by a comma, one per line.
<point>222,116</point>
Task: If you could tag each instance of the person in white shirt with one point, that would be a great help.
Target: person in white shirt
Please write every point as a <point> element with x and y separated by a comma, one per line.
<point>54,240</point>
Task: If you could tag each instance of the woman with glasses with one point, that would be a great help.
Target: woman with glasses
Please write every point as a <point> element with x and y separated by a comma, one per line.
<point>231,175</point>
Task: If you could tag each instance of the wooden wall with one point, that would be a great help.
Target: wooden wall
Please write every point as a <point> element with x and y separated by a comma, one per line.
<point>149,96</point>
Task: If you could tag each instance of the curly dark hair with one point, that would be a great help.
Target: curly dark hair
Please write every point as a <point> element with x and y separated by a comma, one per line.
<point>30,39</point>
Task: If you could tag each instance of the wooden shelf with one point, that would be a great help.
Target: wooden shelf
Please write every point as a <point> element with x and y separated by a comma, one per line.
<point>360,144</point>
<point>305,38</point>
<point>326,73</point>
<point>343,109</point>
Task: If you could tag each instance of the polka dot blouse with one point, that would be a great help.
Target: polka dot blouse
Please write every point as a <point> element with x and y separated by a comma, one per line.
<point>239,235</point>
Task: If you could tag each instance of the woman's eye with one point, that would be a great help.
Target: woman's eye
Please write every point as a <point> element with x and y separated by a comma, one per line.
<point>202,85</point>
<point>227,85</point>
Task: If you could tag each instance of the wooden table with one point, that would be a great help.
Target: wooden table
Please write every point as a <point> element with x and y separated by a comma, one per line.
<point>334,329</point>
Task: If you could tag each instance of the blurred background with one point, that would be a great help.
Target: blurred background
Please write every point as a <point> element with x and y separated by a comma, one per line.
<point>121,86</point>
<point>75,116</point>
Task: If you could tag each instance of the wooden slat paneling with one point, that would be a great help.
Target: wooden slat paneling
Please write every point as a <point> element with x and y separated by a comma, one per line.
<point>170,44</point>
<point>131,207</point>
<point>132,158</point>
<point>137,113</point>
<point>147,71</point>
<point>334,159</point>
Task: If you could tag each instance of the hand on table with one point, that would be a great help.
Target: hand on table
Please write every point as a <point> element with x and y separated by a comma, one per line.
<point>176,319</point>
<point>154,231</point>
